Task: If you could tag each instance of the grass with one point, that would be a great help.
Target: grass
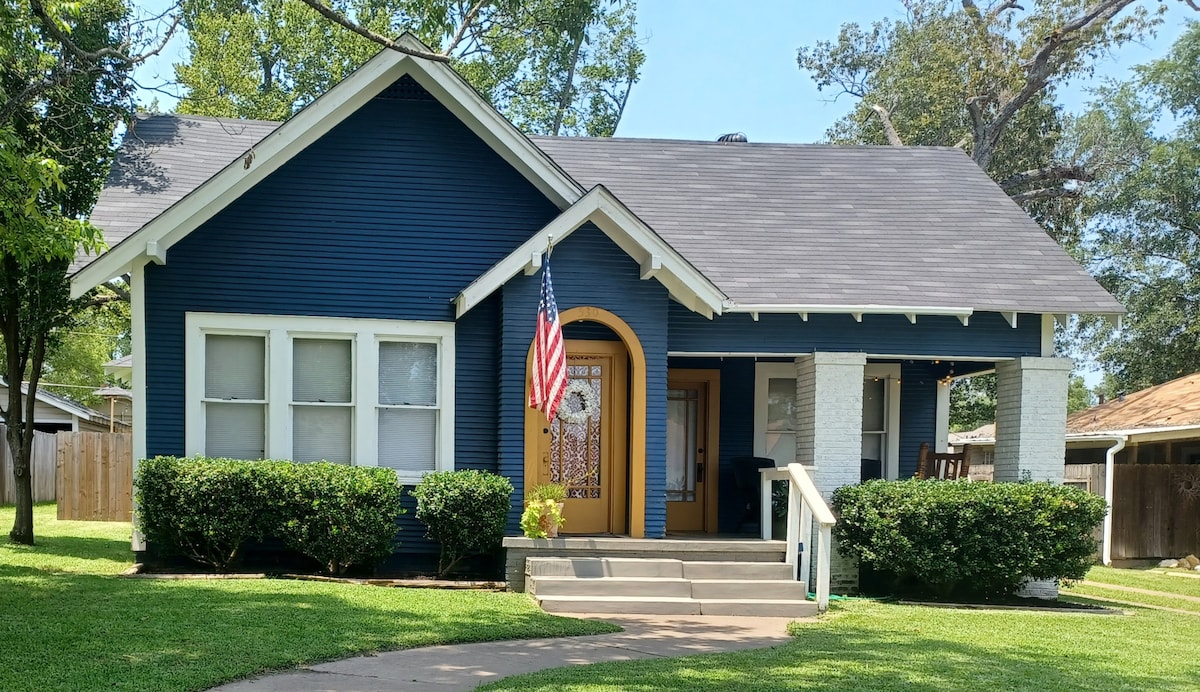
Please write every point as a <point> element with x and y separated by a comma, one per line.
<point>1169,588</point>
<point>69,623</point>
<point>866,645</point>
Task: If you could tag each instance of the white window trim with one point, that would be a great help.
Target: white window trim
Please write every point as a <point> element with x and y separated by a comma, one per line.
<point>279,331</point>
<point>764,372</point>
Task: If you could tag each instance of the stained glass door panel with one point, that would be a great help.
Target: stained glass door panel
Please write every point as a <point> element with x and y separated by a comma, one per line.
<point>575,441</point>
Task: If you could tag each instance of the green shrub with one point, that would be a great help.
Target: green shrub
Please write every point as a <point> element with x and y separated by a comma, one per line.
<point>464,512</point>
<point>204,508</point>
<point>957,538</point>
<point>539,517</point>
<point>208,508</point>
<point>339,515</point>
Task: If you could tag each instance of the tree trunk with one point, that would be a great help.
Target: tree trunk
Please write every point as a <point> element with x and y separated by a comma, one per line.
<point>22,530</point>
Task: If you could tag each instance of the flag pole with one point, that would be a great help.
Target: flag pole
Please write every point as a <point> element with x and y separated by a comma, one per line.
<point>549,245</point>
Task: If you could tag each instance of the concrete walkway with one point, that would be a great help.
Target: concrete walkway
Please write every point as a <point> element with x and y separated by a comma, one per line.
<point>466,666</point>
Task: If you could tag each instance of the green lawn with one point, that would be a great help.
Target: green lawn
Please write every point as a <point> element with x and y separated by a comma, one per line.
<point>865,645</point>
<point>1170,587</point>
<point>68,623</point>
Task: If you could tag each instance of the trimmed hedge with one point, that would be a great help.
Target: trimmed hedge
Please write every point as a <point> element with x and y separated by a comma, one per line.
<point>464,512</point>
<point>947,538</point>
<point>208,508</point>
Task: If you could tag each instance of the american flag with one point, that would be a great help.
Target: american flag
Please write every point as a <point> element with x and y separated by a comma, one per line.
<point>549,353</point>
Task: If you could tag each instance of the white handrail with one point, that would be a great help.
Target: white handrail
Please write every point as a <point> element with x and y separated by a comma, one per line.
<point>805,506</point>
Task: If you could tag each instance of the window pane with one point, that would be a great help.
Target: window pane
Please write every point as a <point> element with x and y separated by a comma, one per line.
<point>781,403</point>
<point>682,408</point>
<point>782,447</point>
<point>873,404</point>
<point>235,367</point>
<point>321,433</point>
<point>407,373</point>
<point>407,439</point>
<point>321,370</point>
<point>235,431</point>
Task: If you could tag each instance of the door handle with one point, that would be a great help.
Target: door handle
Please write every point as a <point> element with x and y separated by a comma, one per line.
<point>700,472</point>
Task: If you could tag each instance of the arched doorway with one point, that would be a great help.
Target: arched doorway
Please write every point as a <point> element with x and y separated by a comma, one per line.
<point>603,459</point>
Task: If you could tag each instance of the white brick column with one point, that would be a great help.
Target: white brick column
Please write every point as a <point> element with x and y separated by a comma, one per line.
<point>829,399</point>
<point>829,396</point>
<point>1031,430</point>
<point>1031,418</point>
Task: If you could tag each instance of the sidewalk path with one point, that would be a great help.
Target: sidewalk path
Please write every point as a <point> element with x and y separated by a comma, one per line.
<point>1146,592</point>
<point>466,666</point>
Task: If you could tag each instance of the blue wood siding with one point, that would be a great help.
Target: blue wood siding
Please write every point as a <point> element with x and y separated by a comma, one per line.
<point>987,336</point>
<point>388,216</point>
<point>588,269</point>
<point>918,410</point>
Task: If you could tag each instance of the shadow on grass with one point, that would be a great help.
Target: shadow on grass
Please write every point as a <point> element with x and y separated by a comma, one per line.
<point>833,656</point>
<point>76,547</point>
<point>72,632</point>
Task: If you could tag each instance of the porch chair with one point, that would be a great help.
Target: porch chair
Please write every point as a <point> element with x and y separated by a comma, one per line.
<point>946,466</point>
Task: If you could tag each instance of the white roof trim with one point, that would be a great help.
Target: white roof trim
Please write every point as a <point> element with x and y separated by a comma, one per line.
<point>657,259</point>
<point>312,122</point>
<point>856,311</point>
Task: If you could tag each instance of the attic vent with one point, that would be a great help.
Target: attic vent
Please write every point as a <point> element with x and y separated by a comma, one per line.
<point>733,137</point>
<point>405,89</point>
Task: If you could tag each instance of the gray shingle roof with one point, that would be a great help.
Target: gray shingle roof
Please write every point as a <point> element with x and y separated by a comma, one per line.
<point>162,158</point>
<point>769,224</point>
<point>821,224</point>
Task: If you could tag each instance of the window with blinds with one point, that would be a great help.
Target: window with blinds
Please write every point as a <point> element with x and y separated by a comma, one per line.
<point>235,396</point>
<point>306,388</point>
<point>408,405</point>
<point>322,400</point>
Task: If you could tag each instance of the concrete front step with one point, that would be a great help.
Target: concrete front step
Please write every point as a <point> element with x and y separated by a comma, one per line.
<point>592,567</point>
<point>666,587</point>
<point>676,606</point>
<point>610,586</point>
<point>755,590</point>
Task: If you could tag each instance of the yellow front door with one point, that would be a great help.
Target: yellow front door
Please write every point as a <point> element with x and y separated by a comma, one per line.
<point>584,447</point>
<point>692,404</point>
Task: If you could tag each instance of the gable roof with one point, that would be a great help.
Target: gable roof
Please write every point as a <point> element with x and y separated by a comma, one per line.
<point>1171,404</point>
<point>59,402</point>
<point>153,239</point>
<point>816,225</point>
<point>658,259</point>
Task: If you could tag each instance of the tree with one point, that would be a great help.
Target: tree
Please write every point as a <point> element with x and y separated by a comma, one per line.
<point>984,79</point>
<point>63,86</point>
<point>973,400</point>
<point>1144,135</point>
<point>551,66</point>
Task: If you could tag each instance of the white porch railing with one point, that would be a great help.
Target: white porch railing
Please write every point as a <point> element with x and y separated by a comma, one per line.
<point>805,505</point>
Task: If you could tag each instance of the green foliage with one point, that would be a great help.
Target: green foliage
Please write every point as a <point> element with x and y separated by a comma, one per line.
<point>959,538</point>
<point>205,508</point>
<point>464,512</point>
<point>1144,138</point>
<point>208,508</point>
<point>553,492</point>
<point>539,516</point>
<point>551,66</point>
<point>973,400</point>
<point>943,60</point>
<point>339,515</point>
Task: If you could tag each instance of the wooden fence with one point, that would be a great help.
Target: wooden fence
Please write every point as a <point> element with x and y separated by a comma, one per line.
<point>41,466</point>
<point>1156,510</point>
<point>95,476</point>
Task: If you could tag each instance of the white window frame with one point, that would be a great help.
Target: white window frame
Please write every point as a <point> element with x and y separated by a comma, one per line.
<point>280,330</point>
<point>764,372</point>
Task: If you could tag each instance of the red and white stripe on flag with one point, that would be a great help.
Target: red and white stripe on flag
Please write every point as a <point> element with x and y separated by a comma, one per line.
<point>549,353</point>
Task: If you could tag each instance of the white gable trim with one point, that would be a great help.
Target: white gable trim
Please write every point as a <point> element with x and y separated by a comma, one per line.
<point>658,260</point>
<point>153,240</point>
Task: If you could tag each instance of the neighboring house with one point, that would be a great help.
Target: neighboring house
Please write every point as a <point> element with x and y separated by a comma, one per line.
<point>360,283</point>
<point>120,370</point>
<point>1155,427</point>
<point>53,413</point>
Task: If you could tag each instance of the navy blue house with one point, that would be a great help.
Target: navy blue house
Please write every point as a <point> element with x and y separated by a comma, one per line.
<point>360,284</point>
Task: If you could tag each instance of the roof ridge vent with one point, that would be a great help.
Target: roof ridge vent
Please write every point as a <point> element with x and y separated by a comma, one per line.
<point>733,137</point>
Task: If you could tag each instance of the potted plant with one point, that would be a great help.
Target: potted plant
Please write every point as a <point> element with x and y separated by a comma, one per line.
<point>543,510</point>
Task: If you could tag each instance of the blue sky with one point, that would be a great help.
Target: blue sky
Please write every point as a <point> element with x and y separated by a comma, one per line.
<point>716,66</point>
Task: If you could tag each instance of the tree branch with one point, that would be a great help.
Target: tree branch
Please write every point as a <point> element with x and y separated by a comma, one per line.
<point>50,24</point>
<point>343,21</point>
<point>467,20</point>
<point>889,128</point>
<point>1038,175</point>
<point>1045,193</point>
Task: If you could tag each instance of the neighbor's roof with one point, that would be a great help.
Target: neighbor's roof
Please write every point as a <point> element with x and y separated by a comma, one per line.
<point>768,224</point>
<point>1168,405</point>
